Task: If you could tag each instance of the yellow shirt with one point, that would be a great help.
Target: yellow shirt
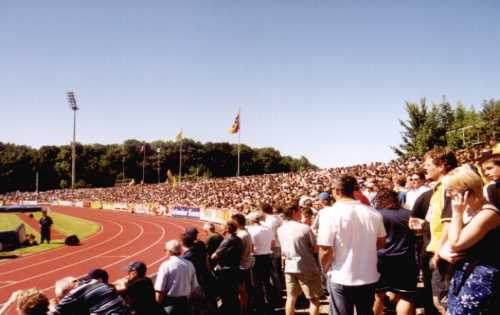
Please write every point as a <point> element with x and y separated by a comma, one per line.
<point>436,206</point>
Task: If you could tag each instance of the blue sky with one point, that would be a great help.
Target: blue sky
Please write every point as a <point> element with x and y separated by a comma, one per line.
<point>323,79</point>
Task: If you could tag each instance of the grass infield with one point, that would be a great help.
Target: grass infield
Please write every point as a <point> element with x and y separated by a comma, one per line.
<point>65,224</point>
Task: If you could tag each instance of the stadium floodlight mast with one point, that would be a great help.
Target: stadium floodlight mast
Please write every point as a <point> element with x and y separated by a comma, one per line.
<point>74,108</point>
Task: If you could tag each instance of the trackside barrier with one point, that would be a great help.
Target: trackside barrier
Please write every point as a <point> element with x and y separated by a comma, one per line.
<point>186,212</point>
<point>96,205</point>
<point>29,202</point>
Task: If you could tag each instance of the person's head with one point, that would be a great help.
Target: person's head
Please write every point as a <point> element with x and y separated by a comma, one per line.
<point>209,227</point>
<point>464,179</point>
<point>254,217</point>
<point>44,212</point>
<point>99,275</point>
<point>290,210</point>
<point>32,302</point>
<point>265,208</point>
<point>490,165</point>
<point>173,248</point>
<point>136,269</point>
<point>230,227</point>
<point>191,231</point>
<point>187,240</point>
<point>417,179</point>
<point>387,199</point>
<point>438,162</point>
<point>63,286</point>
<point>344,186</point>
<point>239,219</point>
<point>325,198</point>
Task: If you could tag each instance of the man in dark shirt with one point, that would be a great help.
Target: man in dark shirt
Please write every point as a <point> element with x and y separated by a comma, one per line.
<point>212,242</point>
<point>490,166</point>
<point>45,224</point>
<point>228,256</point>
<point>138,292</point>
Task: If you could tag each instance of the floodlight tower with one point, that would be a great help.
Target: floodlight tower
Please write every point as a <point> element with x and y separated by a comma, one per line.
<point>74,108</point>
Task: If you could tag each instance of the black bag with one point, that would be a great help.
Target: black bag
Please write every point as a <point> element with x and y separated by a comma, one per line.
<point>72,240</point>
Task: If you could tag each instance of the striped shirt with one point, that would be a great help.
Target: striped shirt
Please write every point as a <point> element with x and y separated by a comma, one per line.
<point>92,297</point>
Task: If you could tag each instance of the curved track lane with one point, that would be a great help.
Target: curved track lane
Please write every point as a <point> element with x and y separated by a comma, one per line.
<point>122,238</point>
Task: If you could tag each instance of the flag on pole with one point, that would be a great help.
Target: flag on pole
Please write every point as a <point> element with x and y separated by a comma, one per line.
<point>235,128</point>
<point>179,136</point>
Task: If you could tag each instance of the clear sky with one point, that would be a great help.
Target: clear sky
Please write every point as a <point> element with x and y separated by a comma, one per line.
<point>323,79</point>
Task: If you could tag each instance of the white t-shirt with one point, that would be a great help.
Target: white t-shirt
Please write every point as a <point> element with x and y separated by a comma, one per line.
<point>273,222</point>
<point>352,228</point>
<point>412,195</point>
<point>176,277</point>
<point>262,237</point>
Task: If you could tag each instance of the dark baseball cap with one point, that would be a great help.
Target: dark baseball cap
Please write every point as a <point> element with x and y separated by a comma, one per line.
<point>139,267</point>
<point>98,274</point>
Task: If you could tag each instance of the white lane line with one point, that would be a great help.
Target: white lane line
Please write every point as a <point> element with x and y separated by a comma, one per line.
<point>68,254</point>
<point>51,251</point>
<point>83,260</point>
<point>137,253</point>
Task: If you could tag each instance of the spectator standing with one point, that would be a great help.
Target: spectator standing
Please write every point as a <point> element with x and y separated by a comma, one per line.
<point>212,241</point>
<point>416,188</point>
<point>437,163</point>
<point>473,237</point>
<point>396,261</point>
<point>247,261</point>
<point>490,165</point>
<point>262,239</point>
<point>227,270</point>
<point>138,291</point>
<point>175,281</point>
<point>302,273</point>
<point>352,232</point>
<point>45,224</point>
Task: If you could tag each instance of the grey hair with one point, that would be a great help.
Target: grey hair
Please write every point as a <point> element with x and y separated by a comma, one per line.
<point>173,247</point>
<point>63,286</point>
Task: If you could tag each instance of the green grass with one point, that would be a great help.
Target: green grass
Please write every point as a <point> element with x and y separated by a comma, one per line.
<point>10,221</point>
<point>67,225</point>
<point>63,223</point>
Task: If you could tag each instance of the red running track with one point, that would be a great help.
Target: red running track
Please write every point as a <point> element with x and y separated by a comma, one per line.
<point>122,238</point>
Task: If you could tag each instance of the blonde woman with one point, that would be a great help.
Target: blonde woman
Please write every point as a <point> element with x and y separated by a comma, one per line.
<point>473,238</point>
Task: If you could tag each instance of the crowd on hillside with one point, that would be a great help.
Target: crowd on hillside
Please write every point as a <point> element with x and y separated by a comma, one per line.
<point>362,235</point>
<point>245,192</point>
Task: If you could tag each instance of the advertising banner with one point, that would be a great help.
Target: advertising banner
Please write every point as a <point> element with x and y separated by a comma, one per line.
<point>96,205</point>
<point>29,202</point>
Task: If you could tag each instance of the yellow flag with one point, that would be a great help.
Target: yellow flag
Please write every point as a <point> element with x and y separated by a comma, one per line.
<point>178,136</point>
<point>235,128</point>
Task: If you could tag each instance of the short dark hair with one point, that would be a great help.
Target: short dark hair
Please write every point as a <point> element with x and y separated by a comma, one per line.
<point>290,209</point>
<point>387,199</point>
<point>347,184</point>
<point>442,156</point>
<point>231,226</point>
<point>187,240</point>
<point>266,208</point>
<point>239,219</point>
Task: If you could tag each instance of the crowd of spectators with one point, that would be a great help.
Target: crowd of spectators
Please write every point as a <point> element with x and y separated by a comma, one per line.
<point>362,235</point>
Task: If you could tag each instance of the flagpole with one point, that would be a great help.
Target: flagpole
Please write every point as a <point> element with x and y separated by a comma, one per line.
<point>143,161</point>
<point>180,160</point>
<point>239,143</point>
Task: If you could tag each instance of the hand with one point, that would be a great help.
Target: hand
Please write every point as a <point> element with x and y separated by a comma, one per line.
<point>434,262</point>
<point>459,202</point>
<point>452,257</point>
<point>415,224</point>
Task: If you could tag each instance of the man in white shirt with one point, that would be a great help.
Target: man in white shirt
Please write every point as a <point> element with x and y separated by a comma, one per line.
<point>273,221</point>
<point>175,281</point>
<point>262,239</point>
<point>352,232</point>
<point>417,188</point>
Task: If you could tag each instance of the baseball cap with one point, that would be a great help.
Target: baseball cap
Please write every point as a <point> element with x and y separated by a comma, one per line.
<point>137,266</point>
<point>98,274</point>
<point>324,196</point>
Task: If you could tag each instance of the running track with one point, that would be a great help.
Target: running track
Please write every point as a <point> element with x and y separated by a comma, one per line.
<point>122,238</point>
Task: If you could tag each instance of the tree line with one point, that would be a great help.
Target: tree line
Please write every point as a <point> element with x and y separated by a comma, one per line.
<point>100,165</point>
<point>441,124</point>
